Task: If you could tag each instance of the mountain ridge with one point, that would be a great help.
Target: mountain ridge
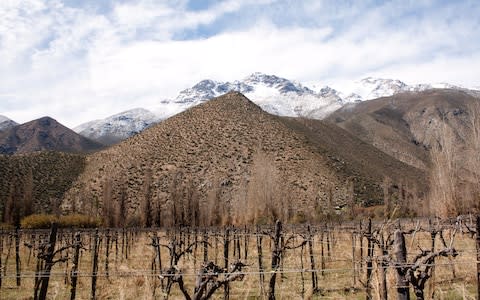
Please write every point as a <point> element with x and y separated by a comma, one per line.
<point>44,134</point>
<point>274,94</point>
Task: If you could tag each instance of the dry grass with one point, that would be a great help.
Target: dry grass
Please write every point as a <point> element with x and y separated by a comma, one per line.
<point>131,278</point>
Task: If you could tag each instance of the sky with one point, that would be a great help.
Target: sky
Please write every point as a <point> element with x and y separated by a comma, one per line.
<point>79,60</point>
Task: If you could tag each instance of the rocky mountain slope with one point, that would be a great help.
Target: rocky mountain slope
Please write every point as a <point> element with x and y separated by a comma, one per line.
<point>406,125</point>
<point>44,134</point>
<point>36,182</point>
<point>6,123</point>
<point>118,127</point>
<point>233,163</point>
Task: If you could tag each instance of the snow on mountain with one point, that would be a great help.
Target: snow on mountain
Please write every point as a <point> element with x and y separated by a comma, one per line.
<point>207,89</point>
<point>6,123</point>
<point>117,127</point>
<point>274,94</point>
<point>284,97</point>
<point>372,88</point>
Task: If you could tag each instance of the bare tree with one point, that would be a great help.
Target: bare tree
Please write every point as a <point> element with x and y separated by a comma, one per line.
<point>263,192</point>
<point>28,194</point>
<point>213,205</point>
<point>121,211</point>
<point>209,278</point>
<point>473,157</point>
<point>146,204</point>
<point>455,179</point>
<point>107,209</point>
<point>444,173</point>
<point>387,197</point>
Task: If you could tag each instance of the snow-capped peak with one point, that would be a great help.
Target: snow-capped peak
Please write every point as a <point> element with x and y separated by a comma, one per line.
<point>6,123</point>
<point>3,118</point>
<point>371,88</point>
<point>274,94</point>
<point>119,126</point>
<point>437,85</point>
<point>281,84</point>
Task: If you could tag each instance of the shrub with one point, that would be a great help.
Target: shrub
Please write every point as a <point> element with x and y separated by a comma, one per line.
<point>79,221</point>
<point>38,221</point>
<point>6,226</point>
<point>299,218</point>
<point>134,221</point>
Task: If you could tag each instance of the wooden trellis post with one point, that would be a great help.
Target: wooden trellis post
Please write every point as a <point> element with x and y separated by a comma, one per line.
<point>260,262</point>
<point>107,253</point>
<point>276,254</point>
<point>205,246</point>
<point>478,256</point>
<point>225,255</point>
<point>369,260</point>
<point>354,264</point>
<point>95,265</point>
<point>74,273</point>
<point>17,256</point>
<point>322,253</point>
<point>245,244</point>
<point>48,258</point>
<point>400,254</point>
<point>1,251</point>
<point>312,260</point>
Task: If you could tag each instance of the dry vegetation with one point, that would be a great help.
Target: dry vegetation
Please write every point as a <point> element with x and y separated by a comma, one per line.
<point>455,181</point>
<point>211,163</point>
<point>35,182</point>
<point>437,131</point>
<point>205,157</point>
<point>229,162</point>
<point>339,254</point>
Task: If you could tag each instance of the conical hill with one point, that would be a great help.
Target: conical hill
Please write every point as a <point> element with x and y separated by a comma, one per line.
<point>224,161</point>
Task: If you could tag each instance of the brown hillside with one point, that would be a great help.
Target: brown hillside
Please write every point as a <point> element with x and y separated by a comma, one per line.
<point>229,161</point>
<point>406,125</point>
<point>36,182</point>
<point>44,134</point>
<point>354,158</point>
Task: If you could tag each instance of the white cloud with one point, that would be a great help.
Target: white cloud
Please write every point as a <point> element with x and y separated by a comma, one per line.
<point>76,65</point>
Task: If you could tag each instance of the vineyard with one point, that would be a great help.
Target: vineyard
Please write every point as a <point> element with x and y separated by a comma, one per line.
<point>399,259</point>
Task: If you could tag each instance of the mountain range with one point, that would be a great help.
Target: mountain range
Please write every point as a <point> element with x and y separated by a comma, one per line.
<point>233,162</point>
<point>274,94</point>
<point>232,159</point>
